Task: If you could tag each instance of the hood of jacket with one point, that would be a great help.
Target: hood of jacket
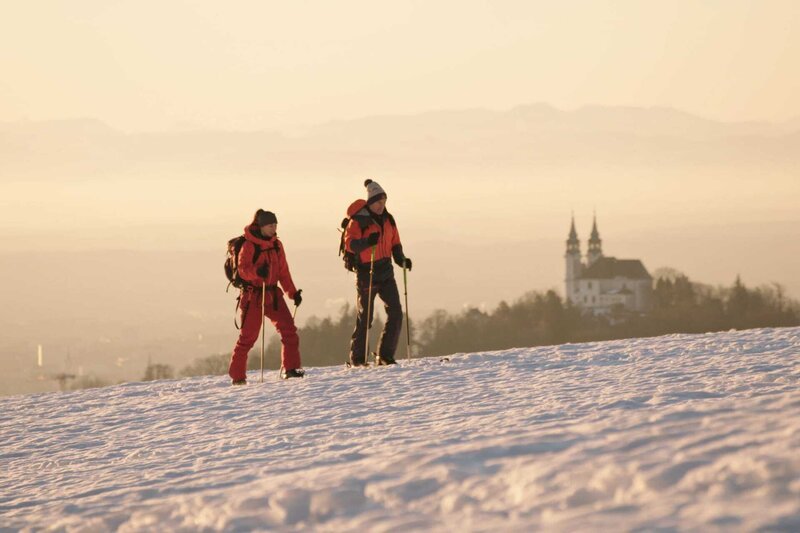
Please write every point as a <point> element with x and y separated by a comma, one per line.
<point>253,234</point>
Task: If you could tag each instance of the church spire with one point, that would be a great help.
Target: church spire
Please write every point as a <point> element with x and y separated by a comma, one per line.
<point>573,263</point>
<point>595,234</point>
<point>573,244</point>
<point>573,235</point>
<point>595,244</point>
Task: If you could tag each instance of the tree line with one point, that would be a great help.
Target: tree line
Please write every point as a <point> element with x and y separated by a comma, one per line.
<point>542,318</point>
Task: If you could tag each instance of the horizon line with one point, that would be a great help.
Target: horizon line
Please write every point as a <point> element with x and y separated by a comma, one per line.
<point>189,128</point>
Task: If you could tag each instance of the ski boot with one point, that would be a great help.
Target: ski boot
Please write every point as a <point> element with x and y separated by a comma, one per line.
<point>292,373</point>
<point>383,360</point>
<point>353,362</point>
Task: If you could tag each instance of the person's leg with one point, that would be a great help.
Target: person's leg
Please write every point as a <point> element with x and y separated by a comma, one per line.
<point>358,339</point>
<point>387,346</point>
<point>248,335</point>
<point>284,323</point>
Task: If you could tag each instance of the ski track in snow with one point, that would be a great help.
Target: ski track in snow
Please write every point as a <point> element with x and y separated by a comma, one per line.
<point>682,432</point>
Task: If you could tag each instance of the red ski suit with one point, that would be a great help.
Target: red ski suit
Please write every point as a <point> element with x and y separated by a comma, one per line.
<point>271,254</point>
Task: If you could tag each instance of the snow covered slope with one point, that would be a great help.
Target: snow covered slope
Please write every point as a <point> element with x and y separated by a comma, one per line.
<point>693,432</point>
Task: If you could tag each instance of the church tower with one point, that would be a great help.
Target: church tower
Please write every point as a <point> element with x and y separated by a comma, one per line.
<point>573,260</point>
<point>595,245</point>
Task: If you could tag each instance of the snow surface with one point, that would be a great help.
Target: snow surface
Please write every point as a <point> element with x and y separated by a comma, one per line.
<point>684,432</point>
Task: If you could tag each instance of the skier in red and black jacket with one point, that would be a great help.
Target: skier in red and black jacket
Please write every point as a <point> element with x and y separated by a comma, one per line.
<point>371,226</point>
<point>268,269</point>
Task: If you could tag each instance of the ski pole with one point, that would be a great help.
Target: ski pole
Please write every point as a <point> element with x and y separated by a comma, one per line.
<point>369,306</point>
<point>263,330</point>
<point>408,324</point>
<point>294,313</point>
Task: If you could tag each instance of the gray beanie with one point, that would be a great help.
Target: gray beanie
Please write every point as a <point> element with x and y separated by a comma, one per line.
<point>374,191</point>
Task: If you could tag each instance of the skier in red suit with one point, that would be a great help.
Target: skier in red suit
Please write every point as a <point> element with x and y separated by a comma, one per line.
<point>269,269</point>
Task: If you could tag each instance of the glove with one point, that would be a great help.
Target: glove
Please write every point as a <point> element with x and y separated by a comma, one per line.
<point>298,298</point>
<point>263,271</point>
<point>407,263</point>
<point>373,239</point>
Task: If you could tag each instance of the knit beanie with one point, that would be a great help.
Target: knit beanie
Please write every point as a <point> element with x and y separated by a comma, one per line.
<point>265,218</point>
<point>374,191</point>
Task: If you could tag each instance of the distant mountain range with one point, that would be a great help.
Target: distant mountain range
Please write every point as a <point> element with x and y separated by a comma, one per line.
<point>527,136</point>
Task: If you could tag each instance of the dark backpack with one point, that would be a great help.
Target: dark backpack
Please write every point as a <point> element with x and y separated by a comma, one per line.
<point>232,262</point>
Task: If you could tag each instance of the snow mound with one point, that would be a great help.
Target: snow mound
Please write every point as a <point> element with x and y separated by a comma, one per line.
<point>698,432</point>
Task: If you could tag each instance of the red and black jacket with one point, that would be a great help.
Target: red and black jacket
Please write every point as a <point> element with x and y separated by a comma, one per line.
<point>364,223</point>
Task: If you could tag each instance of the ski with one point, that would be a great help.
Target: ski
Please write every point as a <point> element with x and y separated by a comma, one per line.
<point>376,362</point>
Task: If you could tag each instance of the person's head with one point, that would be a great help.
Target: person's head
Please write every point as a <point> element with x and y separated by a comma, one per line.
<point>267,222</point>
<point>376,197</point>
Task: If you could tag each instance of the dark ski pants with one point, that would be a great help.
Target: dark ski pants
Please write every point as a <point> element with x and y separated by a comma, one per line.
<point>280,316</point>
<point>387,345</point>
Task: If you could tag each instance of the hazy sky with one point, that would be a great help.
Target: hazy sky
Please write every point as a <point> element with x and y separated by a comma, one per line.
<point>150,65</point>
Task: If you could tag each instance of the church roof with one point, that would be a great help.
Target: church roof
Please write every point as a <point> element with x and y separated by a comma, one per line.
<point>611,267</point>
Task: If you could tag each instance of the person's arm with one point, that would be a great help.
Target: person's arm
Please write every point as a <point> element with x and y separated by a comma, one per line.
<point>247,269</point>
<point>284,276</point>
<point>397,250</point>
<point>356,241</point>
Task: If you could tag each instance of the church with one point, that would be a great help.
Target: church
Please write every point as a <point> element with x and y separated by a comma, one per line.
<point>604,284</point>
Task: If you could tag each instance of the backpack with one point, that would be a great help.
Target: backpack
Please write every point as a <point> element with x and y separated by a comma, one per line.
<point>232,262</point>
<point>351,260</point>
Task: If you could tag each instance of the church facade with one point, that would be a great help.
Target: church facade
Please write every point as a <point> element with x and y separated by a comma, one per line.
<point>604,284</point>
